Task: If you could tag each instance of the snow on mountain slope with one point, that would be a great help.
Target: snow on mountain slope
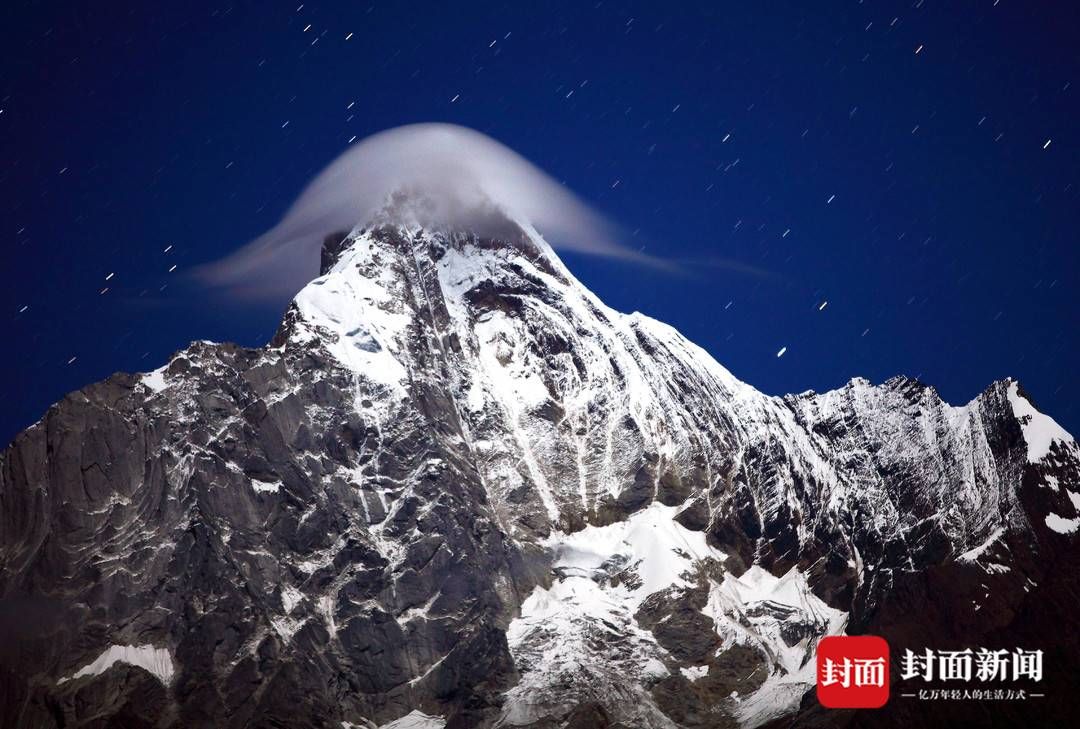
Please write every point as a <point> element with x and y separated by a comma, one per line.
<point>585,423</point>
<point>154,660</point>
<point>1040,431</point>
<point>781,617</point>
<point>603,573</point>
<point>457,485</point>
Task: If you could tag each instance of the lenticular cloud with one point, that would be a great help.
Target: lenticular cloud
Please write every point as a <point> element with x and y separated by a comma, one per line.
<point>462,175</point>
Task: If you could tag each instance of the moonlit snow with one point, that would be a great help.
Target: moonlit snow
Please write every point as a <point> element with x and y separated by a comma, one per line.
<point>610,624</point>
<point>416,719</point>
<point>264,487</point>
<point>548,638</point>
<point>155,380</point>
<point>1062,525</point>
<point>155,660</point>
<point>1040,431</point>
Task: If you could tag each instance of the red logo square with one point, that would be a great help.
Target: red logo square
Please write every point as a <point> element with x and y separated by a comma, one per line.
<point>852,672</point>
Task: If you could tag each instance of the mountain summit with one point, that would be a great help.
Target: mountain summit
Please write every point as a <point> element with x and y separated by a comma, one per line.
<point>458,490</point>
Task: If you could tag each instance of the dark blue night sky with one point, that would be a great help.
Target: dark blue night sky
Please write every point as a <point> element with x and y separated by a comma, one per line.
<point>946,140</point>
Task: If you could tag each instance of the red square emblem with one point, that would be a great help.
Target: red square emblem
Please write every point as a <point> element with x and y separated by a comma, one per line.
<point>853,672</point>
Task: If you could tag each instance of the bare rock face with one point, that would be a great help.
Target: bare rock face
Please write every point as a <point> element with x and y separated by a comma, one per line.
<point>457,490</point>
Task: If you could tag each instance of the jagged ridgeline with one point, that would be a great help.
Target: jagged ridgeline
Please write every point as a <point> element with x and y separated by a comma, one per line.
<point>458,490</point>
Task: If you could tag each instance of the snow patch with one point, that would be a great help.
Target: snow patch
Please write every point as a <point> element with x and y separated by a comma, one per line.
<point>1040,431</point>
<point>760,610</point>
<point>416,719</point>
<point>290,598</point>
<point>156,661</point>
<point>1062,525</point>
<point>655,670</point>
<point>474,399</point>
<point>155,380</point>
<point>555,638</point>
<point>356,317</point>
<point>973,555</point>
<point>286,628</point>
<point>660,549</point>
<point>265,487</point>
<point>693,673</point>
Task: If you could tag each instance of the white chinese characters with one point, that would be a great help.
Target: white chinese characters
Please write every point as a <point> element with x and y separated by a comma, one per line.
<point>853,672</point>
<point>983,664</point>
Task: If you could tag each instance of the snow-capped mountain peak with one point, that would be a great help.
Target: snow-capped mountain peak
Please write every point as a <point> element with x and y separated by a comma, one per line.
<point>457,487</point>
